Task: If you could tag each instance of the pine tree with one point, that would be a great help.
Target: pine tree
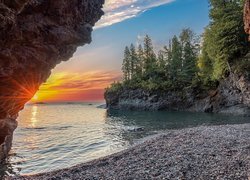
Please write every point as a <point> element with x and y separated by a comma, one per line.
<point>161,61</point>
<point>189,56</point>
<point>225,36</point>
<point>150,61</point>
<point>168,59</point>
<point>126,64</point>
<point>189,68</point>
<point>186,36</point>
<point>140,57</point>
<point>205,65</point>
<point>133,60</point>
<point>176,59</point>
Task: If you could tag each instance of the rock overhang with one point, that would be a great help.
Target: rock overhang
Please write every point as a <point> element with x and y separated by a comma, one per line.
<point>35,36</point>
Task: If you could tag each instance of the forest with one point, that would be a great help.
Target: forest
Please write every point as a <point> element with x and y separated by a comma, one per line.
<point>190,60</point>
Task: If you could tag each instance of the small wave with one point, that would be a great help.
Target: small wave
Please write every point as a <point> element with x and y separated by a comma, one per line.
<point>46,128</point>
<point>133,128</point>
<point>90,147</point>
<point>62,127</point>
<point>35,128</point>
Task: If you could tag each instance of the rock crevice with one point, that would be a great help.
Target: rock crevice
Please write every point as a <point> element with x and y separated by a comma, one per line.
<point>35,36</point>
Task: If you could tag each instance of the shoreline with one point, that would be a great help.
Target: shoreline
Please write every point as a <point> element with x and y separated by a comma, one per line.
<point>206,152</point>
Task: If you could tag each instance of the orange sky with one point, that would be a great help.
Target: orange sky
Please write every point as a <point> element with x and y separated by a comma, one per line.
<point>81,87</point>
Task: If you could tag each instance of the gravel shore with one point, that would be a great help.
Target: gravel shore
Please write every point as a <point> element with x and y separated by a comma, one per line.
<point>217,152</point>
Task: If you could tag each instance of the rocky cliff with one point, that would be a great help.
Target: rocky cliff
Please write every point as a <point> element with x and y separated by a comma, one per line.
<point>231,97</point>
<point>35,36</point>
<point>247,17</point>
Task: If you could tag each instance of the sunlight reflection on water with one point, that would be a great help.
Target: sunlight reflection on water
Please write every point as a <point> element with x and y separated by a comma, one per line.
<point>33,118</point>
<point>51,137</point>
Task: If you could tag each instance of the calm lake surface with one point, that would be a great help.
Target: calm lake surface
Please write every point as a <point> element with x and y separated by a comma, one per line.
<point>51,137</point>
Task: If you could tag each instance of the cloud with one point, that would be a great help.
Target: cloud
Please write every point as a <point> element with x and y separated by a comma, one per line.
<point>119,10</point>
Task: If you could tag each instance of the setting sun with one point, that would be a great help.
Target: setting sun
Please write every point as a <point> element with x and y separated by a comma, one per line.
<point>67,87</point>
<point>35,97</point>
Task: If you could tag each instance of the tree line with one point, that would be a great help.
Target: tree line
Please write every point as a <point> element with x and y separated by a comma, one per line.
<point>175,64</point>
<point>224,41</point>
<point>190,60</point>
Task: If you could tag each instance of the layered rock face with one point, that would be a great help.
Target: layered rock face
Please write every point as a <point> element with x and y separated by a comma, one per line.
<point>35,36</point>
<point>247,17</point>
<point>231,97</point>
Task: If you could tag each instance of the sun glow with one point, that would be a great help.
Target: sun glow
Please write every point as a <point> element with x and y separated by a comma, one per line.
<point>67,87</point>
<point>35,97</point>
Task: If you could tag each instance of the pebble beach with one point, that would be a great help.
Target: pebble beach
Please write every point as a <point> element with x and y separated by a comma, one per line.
<point>207,152</point>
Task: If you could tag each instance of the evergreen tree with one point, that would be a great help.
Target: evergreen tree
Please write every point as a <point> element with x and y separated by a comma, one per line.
<point>168,51</point>
<point>126,64</point>
<point>140,57</point>
<point>189,56</point>
<point>187,36</point>
<point>205,65</point>
<point>133,61</point>
<point>189,68</point>
<point>161,60</point>
<point>225,36</point>
<point>150,61</point>
<point>176,59</point>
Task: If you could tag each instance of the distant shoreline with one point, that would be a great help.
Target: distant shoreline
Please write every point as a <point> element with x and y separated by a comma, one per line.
<point>194,153</point>
<point>52,103</point>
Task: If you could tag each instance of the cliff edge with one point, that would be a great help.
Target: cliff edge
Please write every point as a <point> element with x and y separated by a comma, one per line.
<point>231,97</point>
<point>229,93</point>
<point>35,36</point>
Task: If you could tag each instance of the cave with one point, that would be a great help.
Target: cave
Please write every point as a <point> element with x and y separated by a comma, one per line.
<point>35,36</point>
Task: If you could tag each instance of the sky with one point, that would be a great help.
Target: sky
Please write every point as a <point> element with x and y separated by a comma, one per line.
<point>95,66</point>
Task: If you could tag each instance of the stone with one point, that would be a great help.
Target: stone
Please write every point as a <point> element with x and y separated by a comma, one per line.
<point>206,152</point>
<point>247,17</point>
<point>35,36</point>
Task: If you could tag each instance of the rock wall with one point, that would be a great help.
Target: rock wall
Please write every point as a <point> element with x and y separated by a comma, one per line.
<point>247,17</point>
<point>231,97</point>
<point>35,36</point>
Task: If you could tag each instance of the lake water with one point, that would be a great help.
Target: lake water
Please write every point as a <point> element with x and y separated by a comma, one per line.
<point>51,137</point>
